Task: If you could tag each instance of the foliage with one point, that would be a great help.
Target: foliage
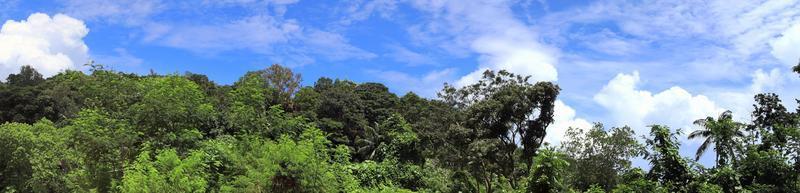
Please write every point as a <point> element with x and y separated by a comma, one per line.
<point>109,131</point>
<point>167,173</point>
<point>598,157</point>
<point>35,158</point>
<point>548,172</point>
<point>724,133</point>
<point>669,168</point>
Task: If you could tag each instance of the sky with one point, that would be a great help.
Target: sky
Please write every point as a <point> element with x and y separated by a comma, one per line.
<point>619,63</point>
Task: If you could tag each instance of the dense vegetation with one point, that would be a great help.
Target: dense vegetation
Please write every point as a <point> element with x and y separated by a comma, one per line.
<point>110,131</point>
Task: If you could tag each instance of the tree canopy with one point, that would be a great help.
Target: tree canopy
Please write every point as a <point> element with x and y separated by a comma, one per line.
<point>109,131</point>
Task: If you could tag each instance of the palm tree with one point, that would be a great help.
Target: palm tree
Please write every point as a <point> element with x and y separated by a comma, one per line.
<point>722,132</point>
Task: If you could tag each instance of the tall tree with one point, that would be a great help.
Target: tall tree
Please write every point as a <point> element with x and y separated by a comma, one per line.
<point>501,109</point>
<point>27,76</point>
<point>282,84</point>
<point>723,133</point>
<point>599,157</point>
<point>772,122</point>
<point>668,167</point>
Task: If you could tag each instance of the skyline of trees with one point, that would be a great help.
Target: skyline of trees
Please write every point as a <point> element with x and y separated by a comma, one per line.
<point>110,131</point>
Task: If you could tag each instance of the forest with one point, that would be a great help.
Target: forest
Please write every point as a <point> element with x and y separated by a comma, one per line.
<point>109,131</point>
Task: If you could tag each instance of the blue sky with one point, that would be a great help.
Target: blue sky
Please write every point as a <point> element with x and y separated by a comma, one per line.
<point>618,62</point>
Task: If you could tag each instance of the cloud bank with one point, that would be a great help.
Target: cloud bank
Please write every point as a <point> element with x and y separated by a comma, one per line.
<point>49,44</point>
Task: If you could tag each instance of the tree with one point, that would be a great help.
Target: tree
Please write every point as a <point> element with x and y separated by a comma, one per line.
<point>246,112</point>
<point>286,165</point>
<point>341,111</point>
<point>35,158</point>
<point>724,133</point>
<point>170,112</point>
<point>22,98</point>
<point>167,173</point>
<point>668,167</point>
<point>598,157</point>
<point>281,84</point>
<point>499,110</point>
<point>772,122</point>
<point>548,172</point>
<point>378,102</point>
<point>393,138</point>
<point>105,145</point>
<point>27,76</point>
<point>767,171</point>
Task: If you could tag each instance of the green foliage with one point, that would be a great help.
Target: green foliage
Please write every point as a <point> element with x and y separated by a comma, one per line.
<point>119,132</point>
<point>668,167</point>
<point>599,157</point>
<point>22,98</point>
<point>767,171</point>
<point>498,114</point>
<point>35,158</point>
<point>724,133</point>
<point>595,189</point>
<point>727,178</point>
<point>287,165</point>
<point>635,180</point>
<point>167,173</point>
<point>171,110</point>
<point>548,172</point>
<point>104,144</point>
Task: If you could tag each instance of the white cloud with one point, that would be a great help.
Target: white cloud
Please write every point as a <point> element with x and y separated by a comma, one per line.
<point>787,47</point>
<point>48,44</point>
<point>127,12</point>
<point>689,36</point>
<point>256,32</point>
<point>490,29</point>
<point>404,55</point>
<point>674,107</point>
<point>283,40</point>
<point>564,118</point>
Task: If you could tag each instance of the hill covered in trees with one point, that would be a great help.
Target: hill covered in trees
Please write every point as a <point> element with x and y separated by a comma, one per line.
<point>110,131</point>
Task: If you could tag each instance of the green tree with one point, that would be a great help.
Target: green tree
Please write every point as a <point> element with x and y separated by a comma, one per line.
<point>171,111</point>
<point>27,76</point>
<point>280,83</point>
<point>548,173</point>
<point>105,145</point>
<point>599,157</point>
<point>635,180</point>
<point>246,113</point>
<point>498,112</point>
<point>22,98</point>
<point>668,167</point>
<point>341,111</point>
<point>723,133</point>
<point>767,171</point>
<point>35,158</point>
<point>167,173</point>
<point>286,165</point>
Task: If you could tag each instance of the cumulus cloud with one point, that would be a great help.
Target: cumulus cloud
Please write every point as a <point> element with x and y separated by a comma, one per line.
<point>675,107</point>
<point>564,119</point>
<point>785,47</point>
<point>48,44</point>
